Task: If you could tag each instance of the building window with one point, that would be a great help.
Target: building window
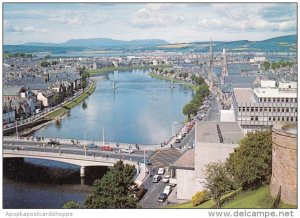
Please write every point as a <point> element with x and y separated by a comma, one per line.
<point>274,99</point>
<point>282,118</point>
<point>295,99</point>
<point>244,109</point>
<point>274,118</point>
<point>282,99</point>
<point>265,100</point>
<point>274,109</point>
<point>287,118</point>
<point>287,100</point>
<point>296,119</point>
<point>287,109</point>
<point>247,109</point>
<point>265,109</point>
<point>278,118</point>
<point>256,118</point>
<point>270,109</point>
<point>260,99</point>
<point>278,109</point>
<point>296,110</point>
<point>256,109</point>
<point>291,100</point>
<point>252,118</point>
<point>270,118</point>
<point>292,119</point>
<point>252,109</point>
<point>269,99</point>
<point>278,99</point>
<point>282,109</point>
<point>260,109</point>
<point>239,108</point>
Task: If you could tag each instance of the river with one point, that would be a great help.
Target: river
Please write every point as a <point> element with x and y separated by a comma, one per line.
<point>141,109</point>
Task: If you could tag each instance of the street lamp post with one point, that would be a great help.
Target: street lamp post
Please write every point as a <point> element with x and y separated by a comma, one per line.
<point>173,127</point>
<point>17,128</point>
<point>144,163</point>
<point>103,135</point>
<point>85,146</point>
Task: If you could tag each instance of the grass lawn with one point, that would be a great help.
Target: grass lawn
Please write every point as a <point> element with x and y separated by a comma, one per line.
<point>206,205</point>
<point>258,198</point>
<point>64,109</point>
<point>109,69</point>
<point>192,86</point>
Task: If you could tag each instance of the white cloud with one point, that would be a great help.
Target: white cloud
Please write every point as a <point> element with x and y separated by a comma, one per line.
<point>248,18</point>
<point>26,29</point>
<point>66,20</point>
<point>156,15</point>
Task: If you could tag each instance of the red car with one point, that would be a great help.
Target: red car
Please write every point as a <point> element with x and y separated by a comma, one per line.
<point>106,148</point>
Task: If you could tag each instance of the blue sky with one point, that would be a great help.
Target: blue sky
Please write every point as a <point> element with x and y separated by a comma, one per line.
<point>173,22</point>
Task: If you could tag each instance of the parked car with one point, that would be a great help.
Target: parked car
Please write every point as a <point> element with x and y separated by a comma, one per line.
<point>137,190</point>
<point>91,145</point>
<point>126,150</point>
<point>167,189</point>
<point>162,197</point>
<point>146,161</point>
<point>156,178</point>
<point>106,148</point>
<point>52,142</point>
<point>166,179</point>
<point>177,140</point>
<point>161,171</point>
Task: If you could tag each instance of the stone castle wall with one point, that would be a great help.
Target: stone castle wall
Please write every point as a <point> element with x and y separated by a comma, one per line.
<point>284,164</point>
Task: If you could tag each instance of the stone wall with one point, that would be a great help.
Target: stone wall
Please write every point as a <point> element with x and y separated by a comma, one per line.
<point>284,164</point>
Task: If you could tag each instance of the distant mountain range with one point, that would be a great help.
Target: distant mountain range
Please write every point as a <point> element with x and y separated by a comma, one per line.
<point>277,44</point>
<point>102,42</point>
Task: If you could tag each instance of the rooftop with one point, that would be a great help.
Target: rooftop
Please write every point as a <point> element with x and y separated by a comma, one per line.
<point>274,92</point>
<point>218,132</point>
<point>244,95</point>
<point>187,160</point>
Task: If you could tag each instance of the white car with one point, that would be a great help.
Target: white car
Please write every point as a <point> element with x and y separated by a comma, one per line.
<point>166,179</point>
<point>161,171</point>
<point>167,190</point>
<point>126,150</point>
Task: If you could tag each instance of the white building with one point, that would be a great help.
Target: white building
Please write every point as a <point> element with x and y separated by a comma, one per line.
<point>214,142</point>
<point>260,108</point>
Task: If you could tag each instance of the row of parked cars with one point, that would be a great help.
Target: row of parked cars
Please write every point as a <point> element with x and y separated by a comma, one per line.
<point>168,188</point>
<point>202,112</point>
<point>184,131</point>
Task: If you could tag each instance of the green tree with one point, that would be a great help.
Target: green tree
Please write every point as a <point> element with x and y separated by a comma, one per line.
<point>45,64</point>
<point>112,191</point>
<point>218,181</point>
<point>188,110</point>
<point>56,98</point>
<point>274,66</point>
<point>71,205</point>
<point>251,163</point>
<point>266,65</point>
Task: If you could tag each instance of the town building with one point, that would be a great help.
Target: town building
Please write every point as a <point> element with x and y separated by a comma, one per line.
<point>260,108</point>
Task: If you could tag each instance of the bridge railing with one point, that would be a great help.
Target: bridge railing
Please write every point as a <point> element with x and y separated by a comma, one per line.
<point>79,142</point>
<point>60,156</point>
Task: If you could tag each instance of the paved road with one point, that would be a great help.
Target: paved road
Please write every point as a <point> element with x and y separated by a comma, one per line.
<point>153,190</point>
<point>213,113</point>
<point>163,158</point>
<point>69,149</point>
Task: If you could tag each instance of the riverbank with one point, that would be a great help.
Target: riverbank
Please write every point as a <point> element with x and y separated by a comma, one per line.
<point>188,85</point>
<point>110,69</point>
<point>66,107</point>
